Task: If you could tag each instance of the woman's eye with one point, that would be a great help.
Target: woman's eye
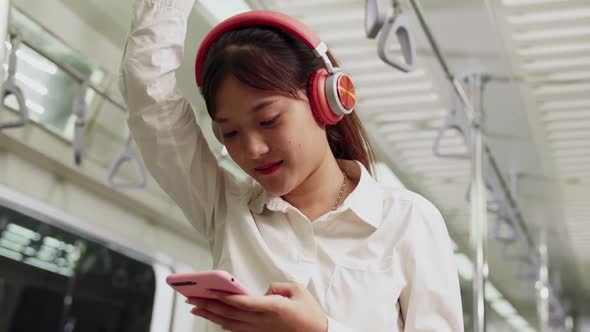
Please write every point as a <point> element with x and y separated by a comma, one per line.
<point>269,122</point>
<point>230,134</point>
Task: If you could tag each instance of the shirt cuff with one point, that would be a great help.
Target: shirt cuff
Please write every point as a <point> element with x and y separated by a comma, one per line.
<point>334,326</point>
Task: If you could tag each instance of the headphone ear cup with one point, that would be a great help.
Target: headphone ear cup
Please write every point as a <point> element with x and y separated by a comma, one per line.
<point>318,100</point>
<point>216,131</point>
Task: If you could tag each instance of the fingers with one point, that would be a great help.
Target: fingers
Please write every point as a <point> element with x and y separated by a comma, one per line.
<point>286,289</point>
<point>252,303</point>
<point>222,309</point>
<point>225,323</point>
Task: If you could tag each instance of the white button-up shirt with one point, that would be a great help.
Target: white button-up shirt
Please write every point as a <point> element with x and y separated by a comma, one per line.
<point>381,262</point>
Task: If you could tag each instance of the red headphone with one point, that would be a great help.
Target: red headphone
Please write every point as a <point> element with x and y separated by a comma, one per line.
<point>330,91</point>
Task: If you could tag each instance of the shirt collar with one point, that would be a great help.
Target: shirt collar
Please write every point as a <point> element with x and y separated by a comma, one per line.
<point>261,198</point>
<point>366,200</point>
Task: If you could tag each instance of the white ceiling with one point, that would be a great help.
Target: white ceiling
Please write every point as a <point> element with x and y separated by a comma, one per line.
<point>535,129</point>
<point>405,110</point>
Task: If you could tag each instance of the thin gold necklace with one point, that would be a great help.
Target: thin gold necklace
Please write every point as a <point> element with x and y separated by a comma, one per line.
<point>341,191</point>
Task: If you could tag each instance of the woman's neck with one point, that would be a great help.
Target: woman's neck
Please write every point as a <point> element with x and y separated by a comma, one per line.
<point>318,193</point>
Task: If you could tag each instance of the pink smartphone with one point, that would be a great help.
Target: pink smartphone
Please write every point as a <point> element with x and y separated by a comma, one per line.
<point>196,284</point>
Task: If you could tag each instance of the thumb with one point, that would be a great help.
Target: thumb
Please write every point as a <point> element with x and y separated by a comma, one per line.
<point>286,289</point>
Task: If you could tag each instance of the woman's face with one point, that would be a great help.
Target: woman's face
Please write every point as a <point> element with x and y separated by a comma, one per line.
<point>273,137</point>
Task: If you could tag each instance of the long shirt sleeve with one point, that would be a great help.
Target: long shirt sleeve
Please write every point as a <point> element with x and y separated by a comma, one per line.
<point>161,119</point>
<point>431,300</point>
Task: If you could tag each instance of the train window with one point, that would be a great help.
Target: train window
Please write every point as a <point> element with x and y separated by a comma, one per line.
<point>54,280</point>
<point>49,91</point>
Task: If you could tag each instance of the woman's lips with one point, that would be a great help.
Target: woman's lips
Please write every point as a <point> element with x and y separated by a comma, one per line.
<point>269,168</point>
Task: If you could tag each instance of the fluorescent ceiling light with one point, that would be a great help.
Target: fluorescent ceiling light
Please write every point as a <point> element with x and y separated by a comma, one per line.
<point>415,115</point>
<point>409,99</point>
<point>343,36</point>
<point>570,144</point>
<point>32,84</point>
<point>554,49</point>
<point>429,159</point>
<point>48,266</point>
<point>528,2</point>
<point>426,150</point>
<point>24,232</point>
<point>451,142</point>
<point>550,16</point>
<point>415,126</point>
<point>491,293</point>
<point>504,308</point>
<point>567,115</point>
<point>561,125</point>
<point>410,136</point>
<point>572,167</point>
<point>446,173</point>
<point>442,166</point>
<point>564,104</point>
<point>363,49</point>
<point>11,254</point>
<point>437,183</point>
<point>570,75</point>
<point>464,266</point>
<point>29,251</point>
<point>365,78</point>
<point>399,126</point>
<point>517,321</point>
<point>527,329</point>
<point>557,63</point>
<point>437,163</point>
<point>396,88</point>
<point>11,245</point>
<point>226,8</point>
<point>11,102</point>
<point>569,135</point>
<point>33,106</point>
<point>574,160</point>
<point>562,88</point>
<point>52,242</point>
<point>579,31</point>
<point>16,238</point>
<point>347,18</point>
<point>572,152</point>
<point>37,61</point>
<point>417,152</point>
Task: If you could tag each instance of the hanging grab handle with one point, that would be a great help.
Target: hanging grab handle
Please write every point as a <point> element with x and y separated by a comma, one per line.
<point>9,87</point>
<point>127,155</point>
<point>79,126</point>
<point>375,16</point>
<point>451,124</point>
<point>505,238</point>
<point>397,27</point>
<point>376,23</point>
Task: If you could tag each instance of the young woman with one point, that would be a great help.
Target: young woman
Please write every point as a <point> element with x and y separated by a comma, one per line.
<point>330,249</point>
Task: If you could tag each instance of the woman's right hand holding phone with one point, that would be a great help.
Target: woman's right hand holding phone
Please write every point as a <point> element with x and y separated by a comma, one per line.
<point>286,306</point>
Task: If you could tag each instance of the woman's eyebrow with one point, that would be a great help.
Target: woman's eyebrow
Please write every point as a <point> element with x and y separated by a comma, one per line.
<point>258,107</point>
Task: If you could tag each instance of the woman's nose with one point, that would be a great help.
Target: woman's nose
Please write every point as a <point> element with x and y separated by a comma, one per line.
<point>255,146</point>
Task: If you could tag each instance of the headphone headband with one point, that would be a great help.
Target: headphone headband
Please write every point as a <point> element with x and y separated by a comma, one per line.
<point>262,18</point>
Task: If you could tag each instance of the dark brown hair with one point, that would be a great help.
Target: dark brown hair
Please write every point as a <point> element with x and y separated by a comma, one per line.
<point>272,60</point>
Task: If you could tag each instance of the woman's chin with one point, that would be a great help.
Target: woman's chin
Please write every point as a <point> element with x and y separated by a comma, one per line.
<point>275,189</point>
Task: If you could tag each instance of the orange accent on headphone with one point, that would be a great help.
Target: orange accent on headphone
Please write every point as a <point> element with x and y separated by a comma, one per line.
<point>346,92</point>
<point>330,98</point>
